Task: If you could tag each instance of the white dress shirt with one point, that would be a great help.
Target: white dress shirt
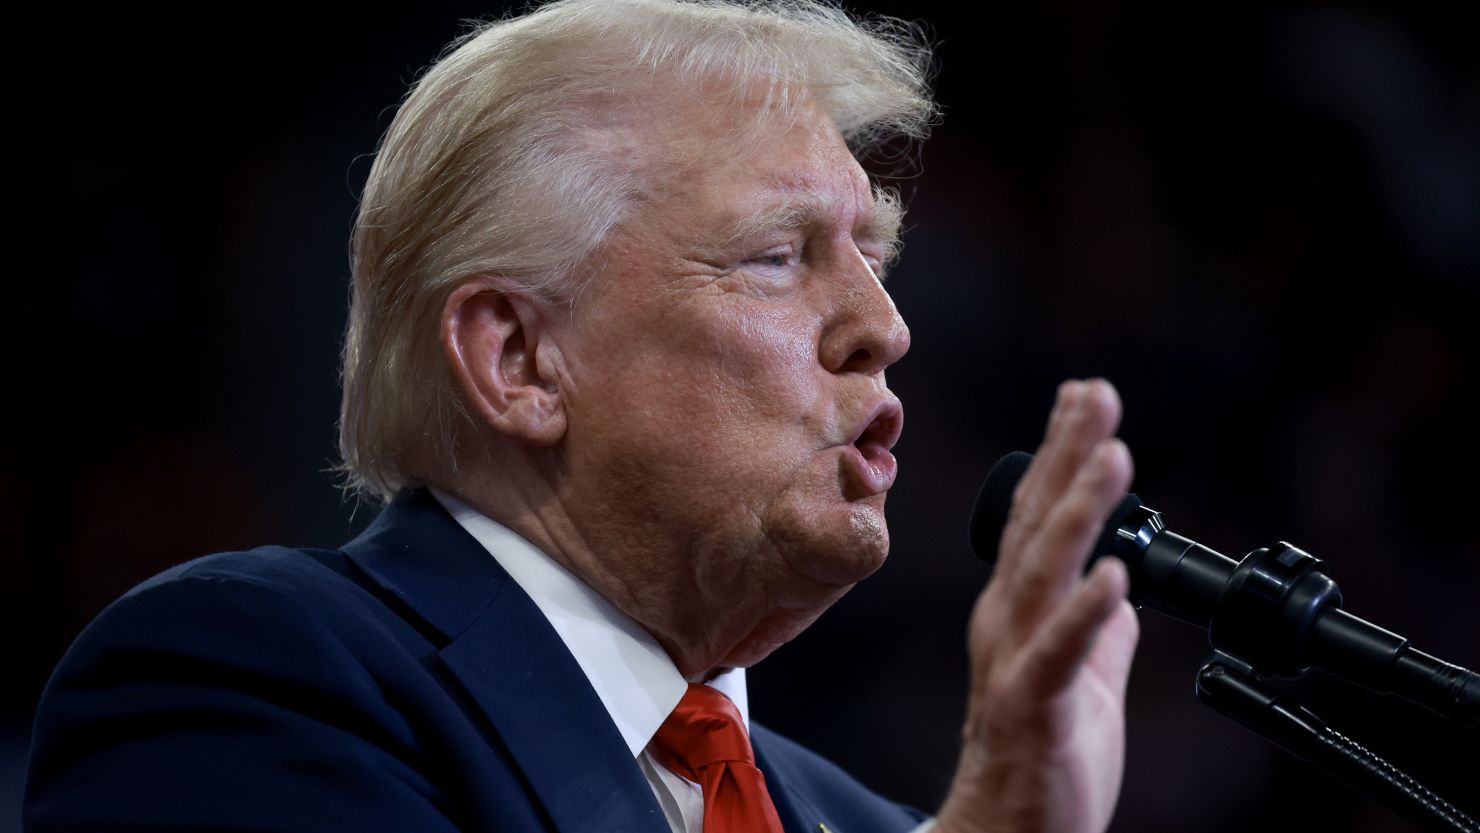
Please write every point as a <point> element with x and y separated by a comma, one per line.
<point>631,673</point>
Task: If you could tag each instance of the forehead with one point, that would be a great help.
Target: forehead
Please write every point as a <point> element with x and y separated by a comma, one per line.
<point>728,169</point>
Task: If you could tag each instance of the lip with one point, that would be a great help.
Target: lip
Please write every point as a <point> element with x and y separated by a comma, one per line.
<point>874,467</point>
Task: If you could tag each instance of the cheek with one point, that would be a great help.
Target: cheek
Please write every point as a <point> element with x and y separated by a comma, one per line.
<point>762,364</point>
<point>707,397</point>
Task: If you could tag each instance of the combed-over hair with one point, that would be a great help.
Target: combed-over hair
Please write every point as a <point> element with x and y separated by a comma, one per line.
<point>496,164</point>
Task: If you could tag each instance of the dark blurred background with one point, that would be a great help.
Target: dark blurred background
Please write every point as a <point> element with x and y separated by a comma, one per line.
<point>1261,221</point>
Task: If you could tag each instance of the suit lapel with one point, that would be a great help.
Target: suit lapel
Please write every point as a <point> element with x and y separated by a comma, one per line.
<point>798,815</point>
<point>514,666</point>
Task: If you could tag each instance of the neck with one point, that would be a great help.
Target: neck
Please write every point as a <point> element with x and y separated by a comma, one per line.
<point>633,566</point>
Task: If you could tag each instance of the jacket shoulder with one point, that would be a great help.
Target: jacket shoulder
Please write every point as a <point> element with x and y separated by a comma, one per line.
<point>287,570</point>
<point>274,662</point>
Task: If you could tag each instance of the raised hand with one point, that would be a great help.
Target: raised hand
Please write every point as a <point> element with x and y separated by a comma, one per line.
<point>1043,746</point>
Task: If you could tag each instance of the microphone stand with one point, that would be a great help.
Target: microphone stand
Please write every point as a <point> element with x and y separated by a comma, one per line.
<point>1275,613</point>
<point>1230,684</point>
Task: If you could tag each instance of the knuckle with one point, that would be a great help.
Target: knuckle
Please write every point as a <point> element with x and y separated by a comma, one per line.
<point>1024,517</point>
<point>1027,528</point>
<point>1080,513</point>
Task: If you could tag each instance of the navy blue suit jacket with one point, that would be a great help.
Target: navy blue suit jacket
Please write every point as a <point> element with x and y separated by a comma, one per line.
<point>404,683</point>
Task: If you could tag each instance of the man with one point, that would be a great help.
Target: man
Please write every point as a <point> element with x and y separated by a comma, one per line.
<point>616,360</point>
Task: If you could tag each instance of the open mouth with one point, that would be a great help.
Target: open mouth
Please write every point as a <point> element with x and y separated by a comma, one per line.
<point>877,467</point>
<point>882,432</point>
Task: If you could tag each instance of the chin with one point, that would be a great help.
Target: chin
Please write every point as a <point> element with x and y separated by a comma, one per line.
<point>840,544</point>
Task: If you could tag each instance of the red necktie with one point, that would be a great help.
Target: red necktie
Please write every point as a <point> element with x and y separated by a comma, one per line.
<point>704,740</point>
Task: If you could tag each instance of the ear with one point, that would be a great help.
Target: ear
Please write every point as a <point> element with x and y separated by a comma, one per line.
<point>504,360</point>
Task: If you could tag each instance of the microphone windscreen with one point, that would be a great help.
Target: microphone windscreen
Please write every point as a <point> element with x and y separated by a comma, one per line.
<point>994,504</point>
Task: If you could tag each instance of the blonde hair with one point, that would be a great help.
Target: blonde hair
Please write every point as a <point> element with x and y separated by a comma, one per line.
<point>495,164</point>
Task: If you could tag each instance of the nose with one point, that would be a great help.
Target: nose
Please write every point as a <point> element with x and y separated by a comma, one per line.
<point>866,333</point>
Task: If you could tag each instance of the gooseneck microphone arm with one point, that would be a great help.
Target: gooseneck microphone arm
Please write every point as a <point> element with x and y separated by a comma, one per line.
<point>1277,613</point>
<point>1232,688</point>
<point>1276,609</point>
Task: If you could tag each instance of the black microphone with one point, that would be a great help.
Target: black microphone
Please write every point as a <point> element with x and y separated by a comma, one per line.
<point>1276,609</point>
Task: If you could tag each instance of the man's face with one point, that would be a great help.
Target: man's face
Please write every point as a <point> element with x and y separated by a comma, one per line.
<point>726,395</point>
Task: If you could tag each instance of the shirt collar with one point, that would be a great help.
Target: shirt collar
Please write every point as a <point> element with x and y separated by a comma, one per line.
<point>633,676</point>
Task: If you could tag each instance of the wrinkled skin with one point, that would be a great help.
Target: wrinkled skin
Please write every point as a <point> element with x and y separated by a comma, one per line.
<point>719,386</point>
<point>703,437</point>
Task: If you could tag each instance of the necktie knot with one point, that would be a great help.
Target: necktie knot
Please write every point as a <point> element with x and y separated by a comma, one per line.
<point>704,729</point>
<point>704,740</point>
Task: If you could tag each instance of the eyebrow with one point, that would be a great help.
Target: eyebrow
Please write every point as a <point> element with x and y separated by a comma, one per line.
<point>881,221</point>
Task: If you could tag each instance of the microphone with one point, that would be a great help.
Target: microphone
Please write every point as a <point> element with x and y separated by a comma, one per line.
<point>1276,609</point>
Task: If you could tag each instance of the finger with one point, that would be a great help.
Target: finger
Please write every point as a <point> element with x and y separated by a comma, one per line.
<point>1055,559</point>
<point>1085,414</point>
<point>1055,655</point>
<point>1025,496</point>
<point>1090,414</point>
<point>1115,647</point>
<point>1074,523</point>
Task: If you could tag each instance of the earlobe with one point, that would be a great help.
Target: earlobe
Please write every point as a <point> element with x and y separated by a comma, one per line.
<point>504,361</point>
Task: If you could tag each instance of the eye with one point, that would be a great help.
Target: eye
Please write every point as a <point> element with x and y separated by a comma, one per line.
<point>875,260</point>
<point>773,260</point>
